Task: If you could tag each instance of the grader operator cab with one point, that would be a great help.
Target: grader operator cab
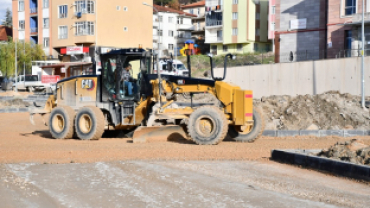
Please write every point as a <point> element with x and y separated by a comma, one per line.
<point>88,105</point>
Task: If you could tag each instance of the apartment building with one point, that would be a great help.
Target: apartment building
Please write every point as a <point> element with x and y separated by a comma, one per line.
<point>199,23</point>
<point>171,29</point>
<point>72,30</point>
<point>300,30</point>
<point>31,22</point>
<point>237,26</point>
<point>344,28</point>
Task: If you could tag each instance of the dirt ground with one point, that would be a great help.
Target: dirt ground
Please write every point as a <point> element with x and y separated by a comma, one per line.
<point>22,142</point>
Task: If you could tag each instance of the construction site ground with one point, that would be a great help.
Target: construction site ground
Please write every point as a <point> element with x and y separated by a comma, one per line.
<point>114,172</point>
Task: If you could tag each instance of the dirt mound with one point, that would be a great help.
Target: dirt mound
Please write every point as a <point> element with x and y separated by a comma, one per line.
<point>329,111</point>
<point>354,151</point>
<point>17,103</point>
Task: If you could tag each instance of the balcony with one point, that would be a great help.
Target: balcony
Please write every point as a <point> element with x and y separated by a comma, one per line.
<point>34,31</point>
<point>185,27</point>
<point>357,18</point>
<point>33,11</point>
<point>213,23</point>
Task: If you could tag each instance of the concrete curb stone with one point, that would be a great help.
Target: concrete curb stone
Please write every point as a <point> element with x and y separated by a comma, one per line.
<point>299,157</point>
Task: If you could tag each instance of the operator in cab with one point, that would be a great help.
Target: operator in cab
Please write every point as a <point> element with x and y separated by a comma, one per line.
<point>129,82</point>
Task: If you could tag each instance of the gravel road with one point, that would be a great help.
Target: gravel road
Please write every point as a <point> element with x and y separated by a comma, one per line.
<point>175,184</point>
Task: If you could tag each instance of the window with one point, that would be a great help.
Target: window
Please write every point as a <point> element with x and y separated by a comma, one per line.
<point>125,9</point>
<point>235,31</point>
<point>118,8</point>
<point>239,47</point>
<point>170,19</point>
<point>170,33</point>
<point>160,32</point>
<point>256,47</point>
<point>257,16</point>
<point>198,11</point>
<point>21,24</point>
<point>45,4</point>
<point>180,21</point>
<point>224,48</point>
<point>191,11</point>
<point>257,32</point>
<point>170,46</point>
<point>63,32</point>
<point>85,28</point>
<point>46,42</point>
<point>267,47</point>
<point>21,6</point>
<point>272,9</point>
<point>84,6</point>
<point>219,35</point>
<point>160,18</point>
<point>235,1</point>
<point>63,11</point>
<point>235,15</point>
<point>125,29</point>
<point>46,23</point>
<point>350,7</point>
<point>272,28</point>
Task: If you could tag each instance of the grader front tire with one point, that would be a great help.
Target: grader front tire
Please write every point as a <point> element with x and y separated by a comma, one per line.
<point>89,123</point>
<point>61,122</point>
<point>207,125</point>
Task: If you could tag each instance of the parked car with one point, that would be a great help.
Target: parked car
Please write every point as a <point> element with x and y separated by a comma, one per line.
<point>32,83</point>
<point>178,68</point>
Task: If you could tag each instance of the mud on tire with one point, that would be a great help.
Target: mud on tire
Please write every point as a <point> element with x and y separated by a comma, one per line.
<point>89,123</point>
<point>256,132</point>
<point>207,125</point>
<point>61,122</point>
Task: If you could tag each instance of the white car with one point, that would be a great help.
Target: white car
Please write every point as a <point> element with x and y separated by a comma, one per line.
<point>31,83</point>
<point>178,68</point>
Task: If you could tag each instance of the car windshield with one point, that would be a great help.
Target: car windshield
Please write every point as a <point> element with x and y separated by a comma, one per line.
<point>180,66</point>
<point>31,78</point>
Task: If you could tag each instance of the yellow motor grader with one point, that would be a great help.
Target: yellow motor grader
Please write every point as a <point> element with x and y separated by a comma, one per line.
<point>88,105</point>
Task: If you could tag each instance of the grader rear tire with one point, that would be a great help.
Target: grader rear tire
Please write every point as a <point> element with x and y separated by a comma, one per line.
<point>249,135</point>
<point>207,125</point>
<point>89,123</point>
<point>61,122</point>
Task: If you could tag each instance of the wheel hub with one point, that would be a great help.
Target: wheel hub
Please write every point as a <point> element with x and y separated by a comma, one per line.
<point>205,126</point>
<point>85,123</point>
<point>58,123</point>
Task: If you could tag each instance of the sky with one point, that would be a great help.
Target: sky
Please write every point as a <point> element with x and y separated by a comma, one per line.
<point>3,5</point>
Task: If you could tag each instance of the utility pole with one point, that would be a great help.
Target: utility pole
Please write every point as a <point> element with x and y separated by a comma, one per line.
<point>362,57</point>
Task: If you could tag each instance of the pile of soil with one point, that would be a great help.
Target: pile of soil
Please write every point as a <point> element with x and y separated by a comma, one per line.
<point>14,103</point>
<point>354,151</point>
<point>328,111</point>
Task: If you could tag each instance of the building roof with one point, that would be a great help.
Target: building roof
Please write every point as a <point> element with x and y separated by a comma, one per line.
<point>5,32</point>
<point>197,4</point>
<point>170,10</point>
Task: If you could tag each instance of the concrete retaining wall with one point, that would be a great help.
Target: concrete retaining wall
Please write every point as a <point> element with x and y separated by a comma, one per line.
<point>300,78</point>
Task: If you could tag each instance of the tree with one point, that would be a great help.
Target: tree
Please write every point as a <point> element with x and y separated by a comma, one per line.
<point>174,4</point>
<point>8,18</point>
<point>26,52</point>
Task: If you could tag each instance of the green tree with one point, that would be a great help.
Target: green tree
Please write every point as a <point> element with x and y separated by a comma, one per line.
<point>26,53</point>
<point>8,18</point>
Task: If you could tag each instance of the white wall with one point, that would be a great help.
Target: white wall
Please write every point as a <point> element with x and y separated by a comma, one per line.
<point>301,78</point>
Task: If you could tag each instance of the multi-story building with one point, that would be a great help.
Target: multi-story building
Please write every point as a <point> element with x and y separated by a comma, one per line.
<point>31,22</point>
<point>171,29</point>
<point>199,23</point>
<point>300,30</point>
<point>237,26</point>
<point>73,29</point>
<point>344,28</point>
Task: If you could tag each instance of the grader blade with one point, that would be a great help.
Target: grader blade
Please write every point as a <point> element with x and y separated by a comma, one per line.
<point>155,134</point>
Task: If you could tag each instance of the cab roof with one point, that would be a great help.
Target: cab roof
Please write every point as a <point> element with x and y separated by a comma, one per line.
<point>126,51</point>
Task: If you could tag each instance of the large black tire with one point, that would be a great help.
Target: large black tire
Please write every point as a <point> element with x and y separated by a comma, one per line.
<point>207,125</point>
<point>256,132</point>
<point>89,123</point>
<point>61,122</point>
